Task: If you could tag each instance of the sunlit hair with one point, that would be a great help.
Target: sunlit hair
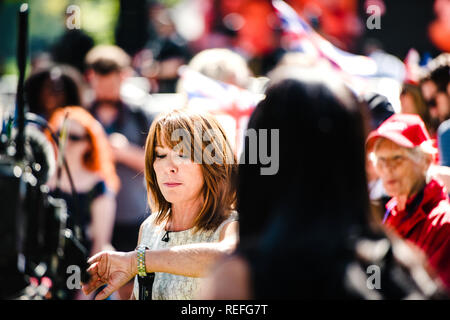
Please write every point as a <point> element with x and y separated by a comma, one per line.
<point>221,64</point>
<point>200,130</point>
<point>419,154</point>
<point>98,158</point>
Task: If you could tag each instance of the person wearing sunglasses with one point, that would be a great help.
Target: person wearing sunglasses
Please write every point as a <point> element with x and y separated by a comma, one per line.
<point>435,87</point>
<point>86,149</point>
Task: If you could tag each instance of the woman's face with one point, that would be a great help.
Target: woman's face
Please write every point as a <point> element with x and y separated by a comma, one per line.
<point>77,140</point>
<point>179,179</point>
<point>51,98</point>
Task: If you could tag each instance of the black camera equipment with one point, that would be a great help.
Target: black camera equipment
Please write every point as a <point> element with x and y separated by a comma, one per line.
<point>36,244</point>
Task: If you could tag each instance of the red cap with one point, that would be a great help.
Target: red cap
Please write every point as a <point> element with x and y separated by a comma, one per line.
<point>406,130</point>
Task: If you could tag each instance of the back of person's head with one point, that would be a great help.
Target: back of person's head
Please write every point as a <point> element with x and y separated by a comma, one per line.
<point>302,60</point>
<point>379,107</point>
<point>106,59</point>
<point>52,87</point>
<point>223,65</point>
<point>321,174</point>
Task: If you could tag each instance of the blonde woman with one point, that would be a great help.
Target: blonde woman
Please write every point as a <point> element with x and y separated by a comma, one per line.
<point>189,169</point>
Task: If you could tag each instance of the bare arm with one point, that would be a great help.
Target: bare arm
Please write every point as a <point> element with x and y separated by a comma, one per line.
<point>103,210</point>
<point>127,153</point>
<point>193,260</point>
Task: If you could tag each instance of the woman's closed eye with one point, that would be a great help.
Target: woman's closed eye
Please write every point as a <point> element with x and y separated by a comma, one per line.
<point>160,156</point>
<point>184,156</point>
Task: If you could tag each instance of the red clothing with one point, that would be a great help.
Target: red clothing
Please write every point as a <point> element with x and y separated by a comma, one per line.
<point>426,222</point>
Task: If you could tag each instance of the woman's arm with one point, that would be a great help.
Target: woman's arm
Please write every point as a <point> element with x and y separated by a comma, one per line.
<point>192,260</point>
<point>126,153</point>
<point>103,211</point>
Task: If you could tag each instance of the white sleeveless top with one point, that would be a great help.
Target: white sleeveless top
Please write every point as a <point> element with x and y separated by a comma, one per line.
<point>168,286</point>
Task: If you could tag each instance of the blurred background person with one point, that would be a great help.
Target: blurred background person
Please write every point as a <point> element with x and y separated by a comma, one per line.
<point>305,231</point>
<point>223,65</point>
<point>127,125</point>
<point>90,162</point>
<point>419,211</point>
<point>53,87</point>
<point>165,51</point>
<point>73,45</point>
<point>412,101</point>
<point>89,158</point>
<point>435,89</point>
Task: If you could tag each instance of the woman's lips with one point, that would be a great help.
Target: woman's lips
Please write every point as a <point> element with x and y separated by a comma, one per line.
<point>390,182</point>
<point>172,184</point>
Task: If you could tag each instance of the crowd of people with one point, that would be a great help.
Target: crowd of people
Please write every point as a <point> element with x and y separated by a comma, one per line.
<point>164,215</point>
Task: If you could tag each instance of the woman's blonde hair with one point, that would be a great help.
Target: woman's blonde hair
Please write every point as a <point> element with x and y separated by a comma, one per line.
<point>201,136</point>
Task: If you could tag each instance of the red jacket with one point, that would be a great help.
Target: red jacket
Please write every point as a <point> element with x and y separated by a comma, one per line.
<point>426,222</point>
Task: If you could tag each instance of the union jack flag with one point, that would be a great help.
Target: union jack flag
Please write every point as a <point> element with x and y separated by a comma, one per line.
<point>301,37</point>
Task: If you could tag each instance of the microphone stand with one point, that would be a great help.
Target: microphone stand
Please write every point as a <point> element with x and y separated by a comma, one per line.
<point>22,51</point>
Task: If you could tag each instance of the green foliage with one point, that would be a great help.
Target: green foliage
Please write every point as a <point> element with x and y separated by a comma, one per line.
<point>99,18</point>
<point>47,22</point>
<point>170,3</point>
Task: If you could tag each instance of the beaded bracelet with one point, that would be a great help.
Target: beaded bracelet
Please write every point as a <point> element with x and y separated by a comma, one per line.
<point>142,272</point>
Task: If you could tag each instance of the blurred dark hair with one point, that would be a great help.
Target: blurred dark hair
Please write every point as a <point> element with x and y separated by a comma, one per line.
<point>380,108</point>
<point>63,79</point>
<point>439,71</point>
<point>441,77</point>
<point>321,175</point>
<point>105,67</point>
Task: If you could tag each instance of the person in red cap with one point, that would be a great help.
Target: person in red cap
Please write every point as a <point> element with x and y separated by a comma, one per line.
<point>419,211</point>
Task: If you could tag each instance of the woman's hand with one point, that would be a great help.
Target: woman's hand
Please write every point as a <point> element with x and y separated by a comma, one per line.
<point>111,268</point>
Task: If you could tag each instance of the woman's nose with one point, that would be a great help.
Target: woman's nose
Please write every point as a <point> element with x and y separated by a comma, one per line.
<point>172,170</point>
<point>171,165</point>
